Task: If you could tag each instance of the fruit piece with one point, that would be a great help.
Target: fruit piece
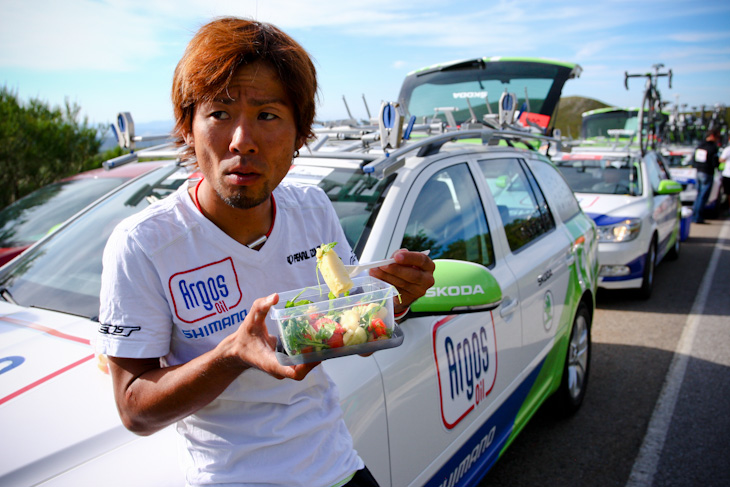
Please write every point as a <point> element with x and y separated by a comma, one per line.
<point>324,322</point>
<point>355,337</point>
<point>378,328</point>
<point>336,340</point>
<point>350,319</point>
<point>333,270</point>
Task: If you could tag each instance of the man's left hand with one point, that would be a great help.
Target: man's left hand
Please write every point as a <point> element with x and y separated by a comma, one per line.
<point>412,275</point>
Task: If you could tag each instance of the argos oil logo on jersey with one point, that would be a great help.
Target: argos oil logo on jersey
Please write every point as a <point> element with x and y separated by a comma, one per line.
<point>466,363</point>
<point>205,291</point>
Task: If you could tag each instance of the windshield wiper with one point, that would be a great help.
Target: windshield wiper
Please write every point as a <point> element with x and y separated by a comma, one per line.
<point>5,294</point>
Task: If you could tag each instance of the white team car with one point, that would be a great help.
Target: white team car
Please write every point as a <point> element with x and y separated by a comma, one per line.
<point>635,205</point>
<point>679,163</point>
<point>505,327</point>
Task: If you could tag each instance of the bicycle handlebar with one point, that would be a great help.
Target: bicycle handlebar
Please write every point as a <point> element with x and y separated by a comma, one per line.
<point>650,76</point>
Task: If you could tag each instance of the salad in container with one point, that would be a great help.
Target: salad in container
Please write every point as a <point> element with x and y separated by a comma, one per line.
<point>342,317</point>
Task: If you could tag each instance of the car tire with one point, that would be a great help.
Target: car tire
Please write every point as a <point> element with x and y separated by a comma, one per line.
<point>647,281</point>
<point>673,253</point>
<point>568,399</point>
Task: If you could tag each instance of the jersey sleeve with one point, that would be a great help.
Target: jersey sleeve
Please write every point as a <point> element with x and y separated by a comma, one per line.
<point>134,315</point>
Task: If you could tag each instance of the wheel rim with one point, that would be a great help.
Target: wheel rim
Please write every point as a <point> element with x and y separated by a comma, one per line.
<point>578,357</point>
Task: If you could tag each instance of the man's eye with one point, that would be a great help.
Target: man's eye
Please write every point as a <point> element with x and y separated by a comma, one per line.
<point>220,115</point>
<point>267,116</point>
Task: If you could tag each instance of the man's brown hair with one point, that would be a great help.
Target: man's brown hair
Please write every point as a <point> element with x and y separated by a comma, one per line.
<point>219,48</point>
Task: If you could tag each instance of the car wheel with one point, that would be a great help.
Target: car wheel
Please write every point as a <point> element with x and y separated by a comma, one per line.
<point>673,253</point>
<point>647,283</point>
<point>569,396</point>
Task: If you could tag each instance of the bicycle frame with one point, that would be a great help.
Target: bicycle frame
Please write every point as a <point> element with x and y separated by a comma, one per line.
<point>651,105</point>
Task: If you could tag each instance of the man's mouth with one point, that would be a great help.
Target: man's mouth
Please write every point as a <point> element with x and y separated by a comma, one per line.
<point>242,178</point>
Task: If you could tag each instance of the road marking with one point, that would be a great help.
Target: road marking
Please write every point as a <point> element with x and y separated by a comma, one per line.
<point>642,474</point>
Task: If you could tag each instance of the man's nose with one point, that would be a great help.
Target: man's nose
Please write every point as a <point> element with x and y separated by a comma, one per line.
<point>243,139</point>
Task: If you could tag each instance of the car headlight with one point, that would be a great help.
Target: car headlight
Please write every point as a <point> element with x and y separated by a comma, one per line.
<point>624,231</point>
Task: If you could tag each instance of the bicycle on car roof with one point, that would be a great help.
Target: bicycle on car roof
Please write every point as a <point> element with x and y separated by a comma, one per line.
<point>651,121</point>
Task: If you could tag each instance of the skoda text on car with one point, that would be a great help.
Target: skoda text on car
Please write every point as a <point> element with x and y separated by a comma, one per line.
<point>636,206</point>
<point>505,327</point>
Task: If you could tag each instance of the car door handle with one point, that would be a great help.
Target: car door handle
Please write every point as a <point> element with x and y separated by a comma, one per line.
<point>570,257</point>
<point>508,307</point>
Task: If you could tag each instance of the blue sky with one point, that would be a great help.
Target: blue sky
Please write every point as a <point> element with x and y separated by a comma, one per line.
<point>109,56</point>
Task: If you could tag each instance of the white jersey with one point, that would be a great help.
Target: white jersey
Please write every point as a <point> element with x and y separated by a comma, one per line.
<point>174,285</point>
<point>725,154</point>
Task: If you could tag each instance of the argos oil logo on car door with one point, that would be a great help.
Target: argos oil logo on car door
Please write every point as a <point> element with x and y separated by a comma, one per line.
<point>466,362</point>
<point>200,293</point>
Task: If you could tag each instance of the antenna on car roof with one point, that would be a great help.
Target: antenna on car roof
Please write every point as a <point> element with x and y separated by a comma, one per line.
<point>390,123</point>
<point>507,105</point>
<point>123,129</point>
<point>367,109</point>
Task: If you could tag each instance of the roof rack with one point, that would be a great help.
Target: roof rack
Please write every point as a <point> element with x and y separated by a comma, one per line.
<point>394,134</point>
<point>123,129</point>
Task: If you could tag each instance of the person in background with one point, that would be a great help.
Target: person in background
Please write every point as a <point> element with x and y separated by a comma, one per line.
<point>725,168</point>
<point>705,160</point>
<point>244,99</point>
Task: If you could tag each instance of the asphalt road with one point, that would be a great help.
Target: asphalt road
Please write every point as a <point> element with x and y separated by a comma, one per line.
<point>657,411</point>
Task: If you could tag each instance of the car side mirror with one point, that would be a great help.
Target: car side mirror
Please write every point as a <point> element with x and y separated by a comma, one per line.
<point>460,287</point>
<point>669,186</point>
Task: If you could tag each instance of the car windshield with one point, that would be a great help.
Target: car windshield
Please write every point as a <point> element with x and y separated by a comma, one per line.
<point>31,217</point>
<point>595,174</point>
<point>599,124</point>
<point>678,159</point>
<point>356,197</point>
<point>613,124</point>
<point>64,273</point>
<point>479,84</point>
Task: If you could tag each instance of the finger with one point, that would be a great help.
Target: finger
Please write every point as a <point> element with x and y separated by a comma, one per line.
<point>261,307</point>
<point>301,371</point>
<point>403,277</point>
<point>415,259</point>
<point>411,283</point>
<point>294,372</point>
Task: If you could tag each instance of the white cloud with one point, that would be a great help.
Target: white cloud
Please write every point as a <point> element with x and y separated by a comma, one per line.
<point>74,34</point>
<point>128,37</point>
<point>697,37</point>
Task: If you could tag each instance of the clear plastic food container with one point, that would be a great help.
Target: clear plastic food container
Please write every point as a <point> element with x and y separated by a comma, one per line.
<point>314,327</point>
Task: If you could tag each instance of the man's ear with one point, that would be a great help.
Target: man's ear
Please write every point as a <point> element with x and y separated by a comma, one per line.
<point>189,139</point>
<point>299,143</point>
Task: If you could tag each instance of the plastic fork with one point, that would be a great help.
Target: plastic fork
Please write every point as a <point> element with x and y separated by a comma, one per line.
<point>353,270</point>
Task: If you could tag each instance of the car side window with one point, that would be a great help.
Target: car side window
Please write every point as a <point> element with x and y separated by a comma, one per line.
<point>448,218</point>
<point>521,204</point>
<point>548,176</point>
<point>652,168</point>
<point>663,171</point>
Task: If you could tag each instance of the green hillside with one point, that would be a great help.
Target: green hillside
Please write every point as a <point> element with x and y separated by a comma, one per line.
<point>568,113</point>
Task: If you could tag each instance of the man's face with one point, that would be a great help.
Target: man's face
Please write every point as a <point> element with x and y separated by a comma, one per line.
<point>244,140</point>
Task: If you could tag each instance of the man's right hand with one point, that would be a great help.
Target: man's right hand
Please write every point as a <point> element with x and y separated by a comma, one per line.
<point>150,397</point>
<point>255,347</point>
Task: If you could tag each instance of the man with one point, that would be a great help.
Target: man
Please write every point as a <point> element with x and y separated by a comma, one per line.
<point>244,98</point>
<point>705,161</point>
